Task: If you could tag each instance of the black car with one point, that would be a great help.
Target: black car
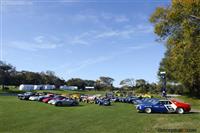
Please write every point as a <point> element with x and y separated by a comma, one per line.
<point>26,95</point>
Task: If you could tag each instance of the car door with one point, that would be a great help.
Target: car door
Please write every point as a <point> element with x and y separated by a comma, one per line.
<point>162,107</point>
<point>169,106</point>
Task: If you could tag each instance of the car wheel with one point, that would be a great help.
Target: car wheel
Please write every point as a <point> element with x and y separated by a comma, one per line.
<point>58,104</point>
<point>180,110</point>
<point>148,110</point>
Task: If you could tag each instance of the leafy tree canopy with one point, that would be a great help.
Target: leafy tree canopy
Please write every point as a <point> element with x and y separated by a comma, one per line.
<point>179,26</point>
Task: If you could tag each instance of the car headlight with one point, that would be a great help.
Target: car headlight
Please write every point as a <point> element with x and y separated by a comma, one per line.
<point>138,107</point>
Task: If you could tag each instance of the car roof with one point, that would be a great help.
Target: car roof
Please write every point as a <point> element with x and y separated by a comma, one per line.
<point>164,100</point>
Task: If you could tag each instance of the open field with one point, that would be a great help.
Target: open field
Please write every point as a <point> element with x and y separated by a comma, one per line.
<point>29,116</point>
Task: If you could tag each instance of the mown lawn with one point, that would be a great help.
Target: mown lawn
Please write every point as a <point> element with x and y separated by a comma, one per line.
<point>18,116</point>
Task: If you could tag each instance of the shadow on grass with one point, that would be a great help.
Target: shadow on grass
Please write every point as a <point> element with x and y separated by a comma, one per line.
<point>188,113</point>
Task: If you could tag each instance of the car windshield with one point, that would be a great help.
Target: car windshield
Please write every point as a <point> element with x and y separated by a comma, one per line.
<point>163,102</point>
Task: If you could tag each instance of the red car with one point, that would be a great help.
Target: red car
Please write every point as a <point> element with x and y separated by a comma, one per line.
<point>46,99</point>
<point>182,107</point>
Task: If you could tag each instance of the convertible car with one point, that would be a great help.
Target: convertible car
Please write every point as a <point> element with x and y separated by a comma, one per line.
<point>164,106</point>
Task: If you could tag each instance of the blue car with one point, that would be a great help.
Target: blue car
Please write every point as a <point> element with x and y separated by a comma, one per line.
<point>146,101</point>
<point>160,106</point>
<point>104,102</point>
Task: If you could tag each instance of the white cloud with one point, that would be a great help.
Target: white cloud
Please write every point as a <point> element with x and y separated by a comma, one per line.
<point>114,17</point>
<point>88,62</point>
<point>144,28</point>
<point>86,17</point>
<point>92,37</point>
<point>107,34</point>
<point>127,32</point>
<point>121,19</point>
<point>101,18</point>
<point>38,43</point>
<point>82,39</point>
<point>92,61</point>
<point>78,40</point>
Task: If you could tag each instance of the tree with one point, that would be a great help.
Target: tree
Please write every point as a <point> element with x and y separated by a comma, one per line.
<point>89,82</point>
<point>106,81</point>
<point>76,82</point>
<point>140,83</point>
<point>128,83</point>
<point>179,26</point>
<point>142,86</point>
<point>6,71</point>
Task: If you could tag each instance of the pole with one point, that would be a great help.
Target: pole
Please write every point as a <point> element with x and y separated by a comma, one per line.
<point>164,83</point>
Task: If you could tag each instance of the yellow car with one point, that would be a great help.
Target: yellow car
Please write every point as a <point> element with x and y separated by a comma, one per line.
<point>144,95</point>
<point>75,96</point>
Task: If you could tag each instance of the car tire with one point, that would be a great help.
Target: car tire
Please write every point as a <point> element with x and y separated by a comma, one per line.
<point>148,110</point>
<point>180,110</point>
<point>58,104</point>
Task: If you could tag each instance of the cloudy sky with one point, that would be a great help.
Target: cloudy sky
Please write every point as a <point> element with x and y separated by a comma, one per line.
<point>85,39</point>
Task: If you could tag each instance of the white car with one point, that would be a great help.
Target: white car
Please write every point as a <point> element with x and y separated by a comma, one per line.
<point>55,99</point>
<point>34,98</point>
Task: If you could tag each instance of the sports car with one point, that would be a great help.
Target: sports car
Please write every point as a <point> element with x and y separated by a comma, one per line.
<point>40,98</point>
<point>47,99</point>
<point>104,101</point>
<point>164,106</point>
<point>55,99</point>
<point>36,96</point>
<point>66,102</point>
<point>25,96</point>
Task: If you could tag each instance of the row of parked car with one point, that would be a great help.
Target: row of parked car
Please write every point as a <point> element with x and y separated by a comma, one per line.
<point>50,98</point>
<point>59,100</point>
<point>147,105</point>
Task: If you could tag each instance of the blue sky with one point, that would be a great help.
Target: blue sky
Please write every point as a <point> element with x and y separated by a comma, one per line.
<point>82,39</point>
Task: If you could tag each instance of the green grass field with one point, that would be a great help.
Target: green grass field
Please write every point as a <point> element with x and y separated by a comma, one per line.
<point>18,116</point>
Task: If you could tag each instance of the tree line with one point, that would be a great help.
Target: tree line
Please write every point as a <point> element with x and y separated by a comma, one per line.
<point>10,76</point>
